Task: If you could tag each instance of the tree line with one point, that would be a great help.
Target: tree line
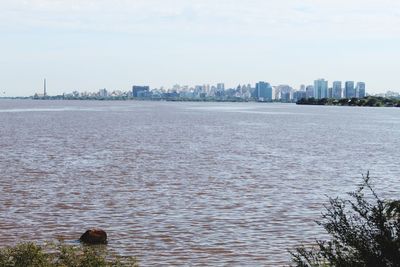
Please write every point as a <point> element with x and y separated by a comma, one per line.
<point>369,101</point>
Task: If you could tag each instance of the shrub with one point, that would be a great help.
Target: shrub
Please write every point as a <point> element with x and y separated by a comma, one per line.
<point>33,255</point>
<point>364,231</point>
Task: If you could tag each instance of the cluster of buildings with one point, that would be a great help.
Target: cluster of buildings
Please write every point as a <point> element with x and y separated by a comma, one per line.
<point>337,91</point>
<point>261,91</point>
<point>389,94</point>
<point>100,94</point>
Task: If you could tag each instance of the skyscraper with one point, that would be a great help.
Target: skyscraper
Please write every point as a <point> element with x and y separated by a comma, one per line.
<point>263,91</point>
<point>330,92</point>
<point>285,92</point>
<point>349,89</point>
<point>309,91</point>
<point>360,90</point>
<point>103,92</point>
<point>337,90</point>
<point>139,91</point>
<point>320,89</point>
<point>298,95</point>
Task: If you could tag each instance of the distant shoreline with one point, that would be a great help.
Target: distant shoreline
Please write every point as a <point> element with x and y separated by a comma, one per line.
<point>238,100</point>
<point>369,101</point>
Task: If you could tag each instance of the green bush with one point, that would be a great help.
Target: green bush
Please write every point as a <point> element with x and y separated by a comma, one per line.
<point>364,231</point>
<point>33,255</point>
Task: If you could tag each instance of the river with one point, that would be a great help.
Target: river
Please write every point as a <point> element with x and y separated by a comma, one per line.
<point>187,184</point>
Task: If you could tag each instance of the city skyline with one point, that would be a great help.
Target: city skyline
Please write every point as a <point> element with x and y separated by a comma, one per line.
<point>336,88</point>
<point>89,44</point>
<point>219,84</point>
<point>262,91</point>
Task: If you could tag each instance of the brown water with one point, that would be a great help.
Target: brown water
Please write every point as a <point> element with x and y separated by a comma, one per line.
<point>222,184</point>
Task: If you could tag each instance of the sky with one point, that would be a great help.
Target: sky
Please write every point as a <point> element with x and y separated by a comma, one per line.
<point>86,45</point>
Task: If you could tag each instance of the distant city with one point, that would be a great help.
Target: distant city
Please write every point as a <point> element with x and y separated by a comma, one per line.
<point>261,91</point>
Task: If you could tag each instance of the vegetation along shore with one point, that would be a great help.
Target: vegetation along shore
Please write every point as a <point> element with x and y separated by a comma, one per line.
<point>369,101</point>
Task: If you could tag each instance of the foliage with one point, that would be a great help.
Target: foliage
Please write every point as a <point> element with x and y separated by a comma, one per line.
<point>369,101</point>
<point>33,255</point>
<point>364,230</point>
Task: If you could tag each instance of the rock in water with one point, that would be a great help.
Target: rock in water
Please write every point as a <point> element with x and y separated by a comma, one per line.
<point>94,236</point>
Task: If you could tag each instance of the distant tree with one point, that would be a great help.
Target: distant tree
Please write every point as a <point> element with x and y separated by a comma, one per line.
<point>389,102</point>
<point>312,101</point>
<point>331,102</point>
<point>365,232</point>
<point>302,101</point>
<point>353,101</point>
<point>371,102</point>
<point>344,102</point>
<point>323,101</point>
<point>362,102</point>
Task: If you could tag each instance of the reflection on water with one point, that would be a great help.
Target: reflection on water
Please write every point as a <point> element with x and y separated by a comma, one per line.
<point>186,183</point>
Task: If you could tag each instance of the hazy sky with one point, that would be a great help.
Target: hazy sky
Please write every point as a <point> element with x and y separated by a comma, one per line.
<point>92,44</point>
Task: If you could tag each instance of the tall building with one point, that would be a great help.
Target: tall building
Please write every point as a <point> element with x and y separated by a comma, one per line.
<point>320,89</point>
<point>330,92</point>
<point>349,91</point>
<point>220,87</point>
<point>276,93</point>
<point>103,92</point>
<point>206,88</point>
<point>337,90</point>
<point>285,92</point>
<point>309,91</point>
<point>263,91</point>
<point>139,91</point>
<point>360,90</point>
<point>298,95</point>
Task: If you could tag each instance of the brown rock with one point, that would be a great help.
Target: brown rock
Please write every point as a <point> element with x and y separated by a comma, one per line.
<point>94,236</point>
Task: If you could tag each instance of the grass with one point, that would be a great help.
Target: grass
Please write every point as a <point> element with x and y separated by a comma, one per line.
<point>61,255</point>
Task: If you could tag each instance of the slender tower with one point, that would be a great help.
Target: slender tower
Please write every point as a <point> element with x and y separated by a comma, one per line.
<point>44,88</point>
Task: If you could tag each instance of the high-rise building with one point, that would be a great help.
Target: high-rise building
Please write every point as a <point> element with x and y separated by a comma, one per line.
<point>285,92</point>
<point>360,90</point>
<point>284,89</point>
<point>103,92</point>
<point>285,97</point>
<point>298,95</point>
<point>330,92</point>
<point>337,90</point>
<point>349,91</point>
<point>276,93</point>
<point>138,91</point>
<point>309,91</point>
<point>263,91</point>
<point>176,88</point>
<point>220,87</point>
<point>206,88</point>
<point>320,89</point>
